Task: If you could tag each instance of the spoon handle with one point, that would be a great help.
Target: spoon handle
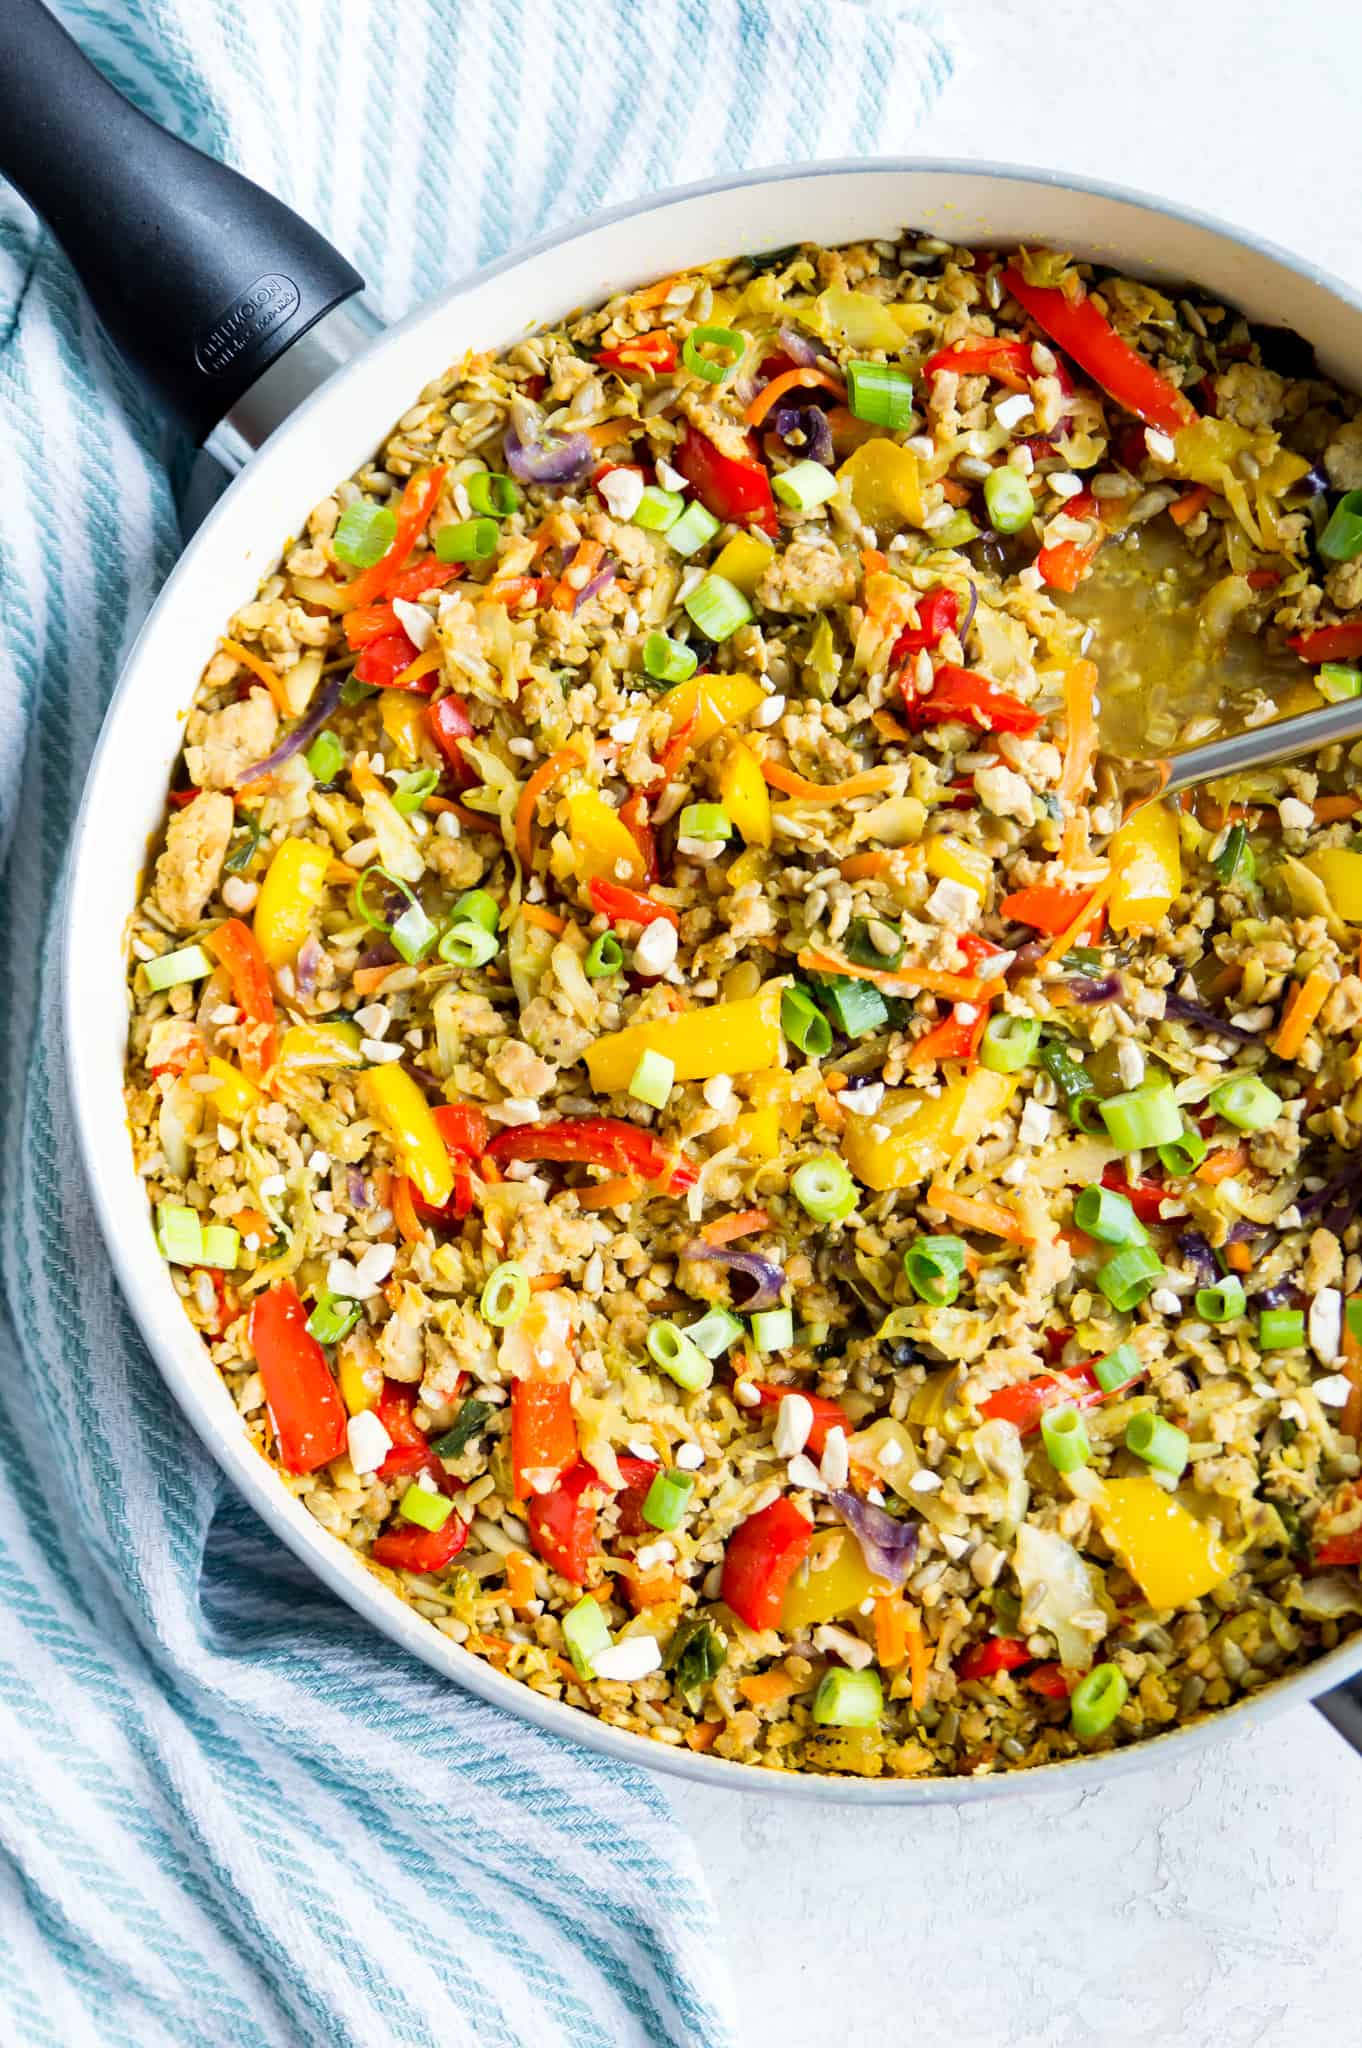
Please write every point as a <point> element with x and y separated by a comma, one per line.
<point>1262,746</point>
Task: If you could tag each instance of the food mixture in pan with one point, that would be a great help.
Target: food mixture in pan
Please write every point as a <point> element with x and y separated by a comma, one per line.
<point>703,1147</point>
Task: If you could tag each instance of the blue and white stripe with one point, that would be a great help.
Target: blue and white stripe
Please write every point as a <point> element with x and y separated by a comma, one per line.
<point>229,1813</point>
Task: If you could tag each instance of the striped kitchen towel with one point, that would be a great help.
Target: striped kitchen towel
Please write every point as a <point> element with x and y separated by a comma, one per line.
<point>229,1812</point>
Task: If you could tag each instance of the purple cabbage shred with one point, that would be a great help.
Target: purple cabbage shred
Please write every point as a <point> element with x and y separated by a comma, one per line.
<point>888,1545</point>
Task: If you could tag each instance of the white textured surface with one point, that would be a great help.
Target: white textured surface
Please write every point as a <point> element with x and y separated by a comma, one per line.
<point>1211,1906</point>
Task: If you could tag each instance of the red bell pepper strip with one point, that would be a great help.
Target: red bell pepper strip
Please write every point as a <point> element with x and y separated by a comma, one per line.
<point>464,1128</point>
<point>762,1556</point>
<point>563,1521</point>
<point>1342,642</point>
<point>638,1475</point>
<point>304,1404</point>
<point>1146,1197</point>
<point>730,489</point>
<point>1049,1681</point>
<point>938,613</point>
<point>405,1548</point>
<point>181,797</point>
<point>234,944</point>
<point>626,906</point>
<point>411,1452</point>
<point>985,355</point>
<point>384,660</point>
<point>450,724</point>
<point>826,1414</point>
<point>1064,565</point>
<point>649,354</point>
<point>594,1141</point>
<point>371,622</point>
<point>543,1432</point>
<point>954,1038</point>
<point>959,696</point>
<point>1076,326</point>
<point>1345,1549</point>
<point>430,573</point>
<point>994,1654</point>
<point>1024,1404</point>
<point>1044,908</point>
<point>419,499</point>
<point>635,816</point>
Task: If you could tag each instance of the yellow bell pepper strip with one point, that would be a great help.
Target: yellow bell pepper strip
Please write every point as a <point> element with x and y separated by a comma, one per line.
<point>395,1102</point>
<point>1340,870</point>
<point>1080,747</point>
<point>1146,860</point>
<point>603,847</point>
<point>860,320</point>
<point>360,1386</point>
<point>294,885</point>
<point>306,1048</point>
<point>885,482</point>
<point>722,1038</point>
<point>405,722</point>
<point>955,860</point>
<point>713,702</point>
<point>1304,1007</point>
<point>832,1582</point>
<point>742,786</point>
<point>235,1096</point>
<point>744,562</point>
<point>913,1135</point>
<point>1173,1558</point>
<point>1075,325</point>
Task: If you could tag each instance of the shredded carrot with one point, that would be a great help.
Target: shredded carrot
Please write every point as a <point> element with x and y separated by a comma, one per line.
<point>869,782</point>
<point>547,920</point>
<point>1239,1258</point>
<point>860,867</point>
<point>368,979</point>
<point>519,1578</point>
<point>1329,809</point>
<point>513,590</point>
<point>251,1223</point>
<point>1301,1013</point>
<point>743,1223</point>
<point>404,1211</point>
<point>1184,509</point>
<point>472,821</point>
<point>960,988</point>
<point>270,677</point>
<point>545,775</point>
<point>340,874</point>
<point>764,1688</point>
<point>973,1214</point>
<point>1221,1165</point>
<point>702,1735</point>
<point>874,561</point>
<point>888,728</point>
<point>1227,981</point>
<point>1350,1421</point>
<point>790,380</point>
<point>610,1194</point>
<point>1080,744</point>
<point>610,430</point>
<point>424,665</point>
<point>835,1082</point>
<point>1070,936</point>
<point>577,575</point>
<point>544,1283</point>
<point>489,1170</point>
<point>891,1630</point>
<point>954,493</point>
<point>654,295</point>
<point>918,1667</point>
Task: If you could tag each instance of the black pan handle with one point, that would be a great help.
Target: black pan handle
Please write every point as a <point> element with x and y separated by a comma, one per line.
<point>201,279</point>
<point>1342,1709</point>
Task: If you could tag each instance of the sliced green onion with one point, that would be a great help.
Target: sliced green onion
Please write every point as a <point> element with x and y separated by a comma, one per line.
<point>1235,858</point>
<point>326,756</point>
<point>1342,537</point>
<point>1352,1317</point>
<point>190,963</point>
<point>221,1246</point>
<point>1159,1443</point>
<point>715,1333</point>
<point>678,1356</point>
<point>179,1232</point>
<point>506,1295</point>
<point>467,1424</point>
<point>1181,1156</point>
<point>1143,1117</point>
<point>860,947</point>
<point>1073,1082</point>
<point>1336,681</point>
<point>1247,1103</point>
<point>1066,1438</point>
<point>1009,1044</point>
<point>717,608</point>
<point>412,791</point>
<point>669,661</point>
<point>955,533</point>
<point>1117,1369</point>
<point>364,533</point>
<point>657,510</point>
<point>1128,1277</point>
<point>665,1502</point>
<point>478,906</point>
<point>1008,499</point>
<point>856,1007</point>
<point>652,1079</point>
<point>491,494</point>
<point>604,956</point>
<point>1096,1700</point>
<point>689,533</point>
<point>880,394</point>
<point>353,691</point>
<point>705,821</point>
<point>428,1510</point>
<point>242,850</point>
<point>379,920</point>
<point>467,540</point>
<point>805,485</point>
<point>934,1266</point>
<point>773,1329</point>
<point>726,339</point>
<point>413,934</point>
<point>804,1023</point>
<point>824,1189</point>
<point>848,1699</point>
<point>1106,1214</point>
<point>1281,1329</point>
<point>466,944</point>
<point>333,1316</point>
<point>586,1634</point>
<point>1222,1303</point>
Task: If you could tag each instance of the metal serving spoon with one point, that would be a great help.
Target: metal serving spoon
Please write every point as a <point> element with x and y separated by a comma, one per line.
<point>1263,746</point>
